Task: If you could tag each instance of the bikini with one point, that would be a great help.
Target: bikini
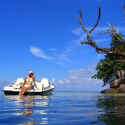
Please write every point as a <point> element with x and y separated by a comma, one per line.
<point>28,80</point>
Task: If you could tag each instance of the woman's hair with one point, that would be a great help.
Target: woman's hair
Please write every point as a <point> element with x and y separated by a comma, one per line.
<point>31,74</point>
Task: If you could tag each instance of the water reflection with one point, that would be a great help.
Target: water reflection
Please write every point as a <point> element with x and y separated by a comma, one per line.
<point>111,109</point>
<point>29,107</point>
<point>28,103</point>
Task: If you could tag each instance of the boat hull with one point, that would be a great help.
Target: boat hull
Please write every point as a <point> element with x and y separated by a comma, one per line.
<point>9,92</point>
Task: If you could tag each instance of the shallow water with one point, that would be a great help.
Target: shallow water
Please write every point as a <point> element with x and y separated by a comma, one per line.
<point>62,108</point>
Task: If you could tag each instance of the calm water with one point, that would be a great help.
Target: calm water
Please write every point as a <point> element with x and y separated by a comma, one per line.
<point>63,108</point>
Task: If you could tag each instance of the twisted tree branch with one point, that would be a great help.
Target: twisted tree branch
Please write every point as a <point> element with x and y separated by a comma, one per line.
<point>99,16</point>
<point>93,44</point>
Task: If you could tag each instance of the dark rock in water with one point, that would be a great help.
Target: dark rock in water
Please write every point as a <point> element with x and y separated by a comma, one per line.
<point>111,90</point>
<point>117,84</point>
<point>122,88</point>
<point>117,79</point>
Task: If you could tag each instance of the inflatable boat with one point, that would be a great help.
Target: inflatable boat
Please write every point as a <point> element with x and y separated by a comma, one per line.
<point>44,87</point>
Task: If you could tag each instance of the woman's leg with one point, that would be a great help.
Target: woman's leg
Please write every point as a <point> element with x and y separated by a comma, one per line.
<point>23,90</point>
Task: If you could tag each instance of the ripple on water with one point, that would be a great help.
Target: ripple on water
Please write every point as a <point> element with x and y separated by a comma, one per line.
<point>61,108</point>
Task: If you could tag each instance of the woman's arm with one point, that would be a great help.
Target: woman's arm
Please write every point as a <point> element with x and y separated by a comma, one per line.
<point>34,83</point>
<point>24,82</point>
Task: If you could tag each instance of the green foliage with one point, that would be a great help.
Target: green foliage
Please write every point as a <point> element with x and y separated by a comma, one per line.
<point>108,66</point>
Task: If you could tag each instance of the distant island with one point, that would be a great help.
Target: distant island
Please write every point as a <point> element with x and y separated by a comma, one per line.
<point>111,69</point>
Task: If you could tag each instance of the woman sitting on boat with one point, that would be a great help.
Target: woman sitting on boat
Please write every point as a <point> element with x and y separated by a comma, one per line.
<point>28,82</point>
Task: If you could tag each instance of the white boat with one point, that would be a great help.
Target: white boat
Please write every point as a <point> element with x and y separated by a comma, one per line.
<point>44,87</point>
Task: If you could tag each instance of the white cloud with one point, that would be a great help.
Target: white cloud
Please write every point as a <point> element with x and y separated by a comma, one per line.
<point>81,79</point>
<point>101,32</point>
<point>64,56</point>
<point>4,83</point>
<point>52,49</point>
<point>60,81</point>
<point>55,56</point>
<point>99,0</point>
<point>76,31</point>
<point>120,29</point>
<point>102,40</point>
<point>39,53</point>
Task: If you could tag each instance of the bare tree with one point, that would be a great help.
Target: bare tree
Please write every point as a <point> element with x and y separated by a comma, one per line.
<point>93,44</point>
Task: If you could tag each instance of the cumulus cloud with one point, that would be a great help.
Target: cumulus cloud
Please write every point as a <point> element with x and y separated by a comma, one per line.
<point>81,79</point>
<point>39,53</point>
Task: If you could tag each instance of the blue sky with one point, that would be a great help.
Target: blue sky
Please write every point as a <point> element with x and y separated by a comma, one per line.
<point>44,36</point>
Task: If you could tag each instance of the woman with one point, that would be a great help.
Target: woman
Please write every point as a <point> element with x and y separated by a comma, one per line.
<point>27,85</point>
